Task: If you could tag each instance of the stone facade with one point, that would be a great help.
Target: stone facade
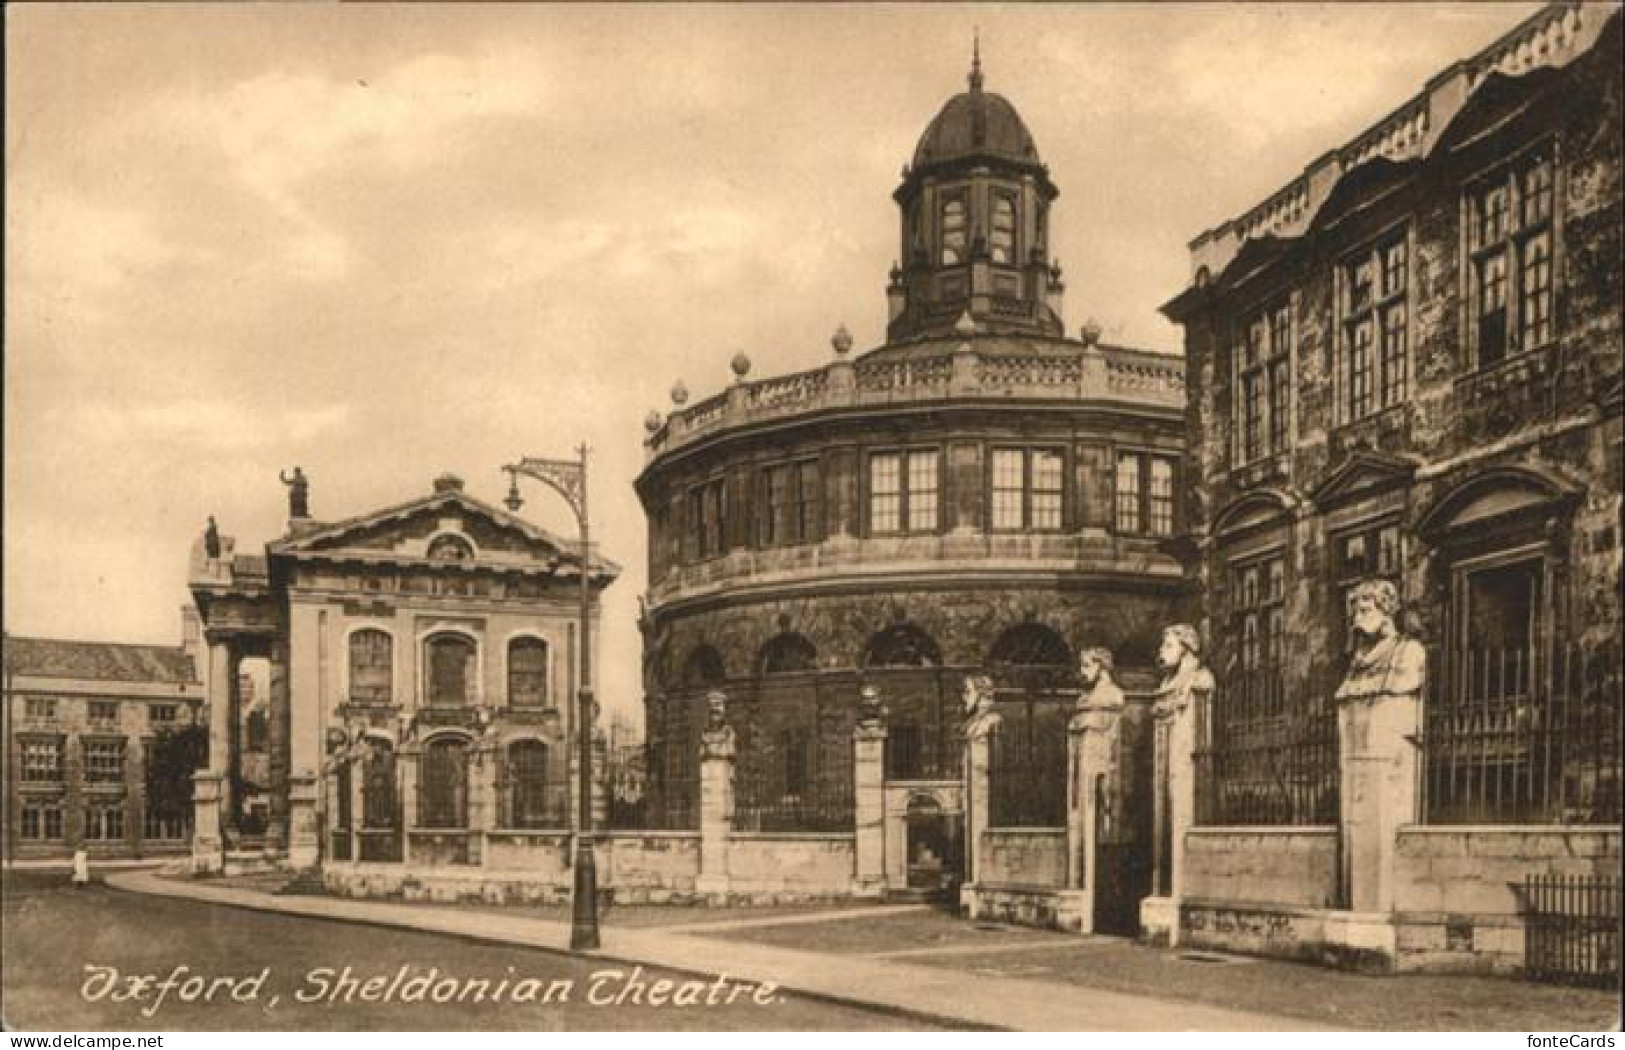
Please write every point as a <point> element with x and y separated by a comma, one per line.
<point>80,722</point>
<point>423,674</point>
<point>980,494</point>
<point>1407,367</point>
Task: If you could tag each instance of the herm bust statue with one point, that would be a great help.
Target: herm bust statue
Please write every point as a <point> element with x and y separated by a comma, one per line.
<point>718,739</point>
<point>1387,662</point>
<point>980,718</point>
<point>1184,676</point>
<point>1101,693</point>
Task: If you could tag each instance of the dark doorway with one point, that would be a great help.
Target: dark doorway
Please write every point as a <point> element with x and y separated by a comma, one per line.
<point>932,847</point>
<point>1123,829</point>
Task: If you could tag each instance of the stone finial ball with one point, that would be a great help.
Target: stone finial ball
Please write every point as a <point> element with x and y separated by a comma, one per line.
<point>1090,332</point>
<point>652,421</point>
<point>740,364</point>
<point>679,393</point>
<point>841,340</point>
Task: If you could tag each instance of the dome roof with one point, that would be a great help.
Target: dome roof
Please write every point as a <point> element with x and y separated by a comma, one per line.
<point>976,123</point>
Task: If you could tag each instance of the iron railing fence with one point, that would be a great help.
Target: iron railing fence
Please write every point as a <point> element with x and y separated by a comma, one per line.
<point>1572,929</point>
<point>793,770</point>
<point>1267,753</point>
<point>1027,766</point>
<point>1524,735</point>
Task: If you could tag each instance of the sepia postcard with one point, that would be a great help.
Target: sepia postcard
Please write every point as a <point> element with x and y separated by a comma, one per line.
<point>812,518</point>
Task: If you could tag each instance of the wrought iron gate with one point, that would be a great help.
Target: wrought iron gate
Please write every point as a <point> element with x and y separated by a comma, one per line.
<point>1122,876</point>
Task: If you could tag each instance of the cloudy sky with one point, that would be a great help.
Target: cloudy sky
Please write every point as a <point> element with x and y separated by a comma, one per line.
<point>386,242</point>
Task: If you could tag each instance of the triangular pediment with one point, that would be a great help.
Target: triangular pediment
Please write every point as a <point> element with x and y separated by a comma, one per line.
<point>1363,474</point>
<point>449,527</point>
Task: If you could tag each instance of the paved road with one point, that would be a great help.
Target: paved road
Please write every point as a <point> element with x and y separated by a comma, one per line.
<point>53,931</point>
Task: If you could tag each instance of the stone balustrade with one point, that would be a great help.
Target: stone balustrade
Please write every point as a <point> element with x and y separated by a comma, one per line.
<point>978,369</point>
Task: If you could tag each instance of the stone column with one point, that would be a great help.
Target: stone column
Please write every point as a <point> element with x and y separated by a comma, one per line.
<point>1093,753</point>
<point>716,800</point>
<point>222,687</point>
<point>1182,704</point>
<point>278,730</point>
<point>304,845</point>
<point>208,848</point>
<point>407,759</point>
<point>978,762</point>
<point>1378,789</point>
<point>869,798</point>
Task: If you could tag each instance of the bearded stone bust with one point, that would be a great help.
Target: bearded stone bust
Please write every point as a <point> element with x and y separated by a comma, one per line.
<point>1387,662</point>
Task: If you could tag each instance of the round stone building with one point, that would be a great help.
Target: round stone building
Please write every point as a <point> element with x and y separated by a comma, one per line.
<point>982,494</point>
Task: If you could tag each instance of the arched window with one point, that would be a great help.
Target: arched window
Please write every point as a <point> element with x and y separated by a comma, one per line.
<point>531,801</point>
<point>787,654</point>
<point>443,802</point>
<point>902,645</point>
<point>1004,230</point>
<point>953,231</point>
<point>378,808</point>
<point>1032,656</point>
<point>451,670</point>
<point>527,673</point>
<point>372,678</point>
<point>703,667</point>
<point>450,548</point>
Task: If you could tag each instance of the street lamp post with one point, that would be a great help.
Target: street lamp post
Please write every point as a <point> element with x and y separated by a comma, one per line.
<point>569,479</point>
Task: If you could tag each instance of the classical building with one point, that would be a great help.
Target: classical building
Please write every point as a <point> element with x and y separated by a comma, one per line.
<point>81,723</point>
<point>422,665</point>
<point>1405,366</point>
<point>981,494</point>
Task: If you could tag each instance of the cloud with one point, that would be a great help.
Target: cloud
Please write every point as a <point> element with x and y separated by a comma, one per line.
<point>278,131</point>
<point>219,424</point>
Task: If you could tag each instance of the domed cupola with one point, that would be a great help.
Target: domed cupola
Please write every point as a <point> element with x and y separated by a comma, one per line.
<point>975,217</point>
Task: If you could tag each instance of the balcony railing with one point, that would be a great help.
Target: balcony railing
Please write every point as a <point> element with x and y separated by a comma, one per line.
<point>984,368</point>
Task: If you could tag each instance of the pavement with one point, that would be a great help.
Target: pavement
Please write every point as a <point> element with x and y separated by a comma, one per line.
<point>933,993</point>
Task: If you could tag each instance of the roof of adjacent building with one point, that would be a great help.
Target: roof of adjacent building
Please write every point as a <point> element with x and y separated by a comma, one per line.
<point>98,661</point>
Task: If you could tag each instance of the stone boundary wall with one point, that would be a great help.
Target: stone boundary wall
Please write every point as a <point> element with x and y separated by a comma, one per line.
<point>1458,900</point>
<point>635,867</point>
<point>781,866</point>
<point>1293,867</point>
<point>1022,857</point>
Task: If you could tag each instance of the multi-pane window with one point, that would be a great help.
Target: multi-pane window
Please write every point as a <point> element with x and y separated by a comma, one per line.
<point>903,493</point>
<point>532,801</point>
<point>1509,241</point>
<point>39,707</point>
<point>1028,489</point>
<point>1003,240</point>
<point>1258,589</point>
<point>445,784</point>
<point>953,231</point>
<point>1374,312</point>
<point>105,711</point>
<point>40,819</point>
<point>164,826</point>
<point>1144,494</point>
<point>527,673</point>
<point>792,514</point>
<point>1264,384</point>
<point>162,714</point>
<point>451,670</point>
<point>371,667</point>
<point>706,506</point>
<point>41,758</point>
<point>104,761</point>
<point>104,820</point>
